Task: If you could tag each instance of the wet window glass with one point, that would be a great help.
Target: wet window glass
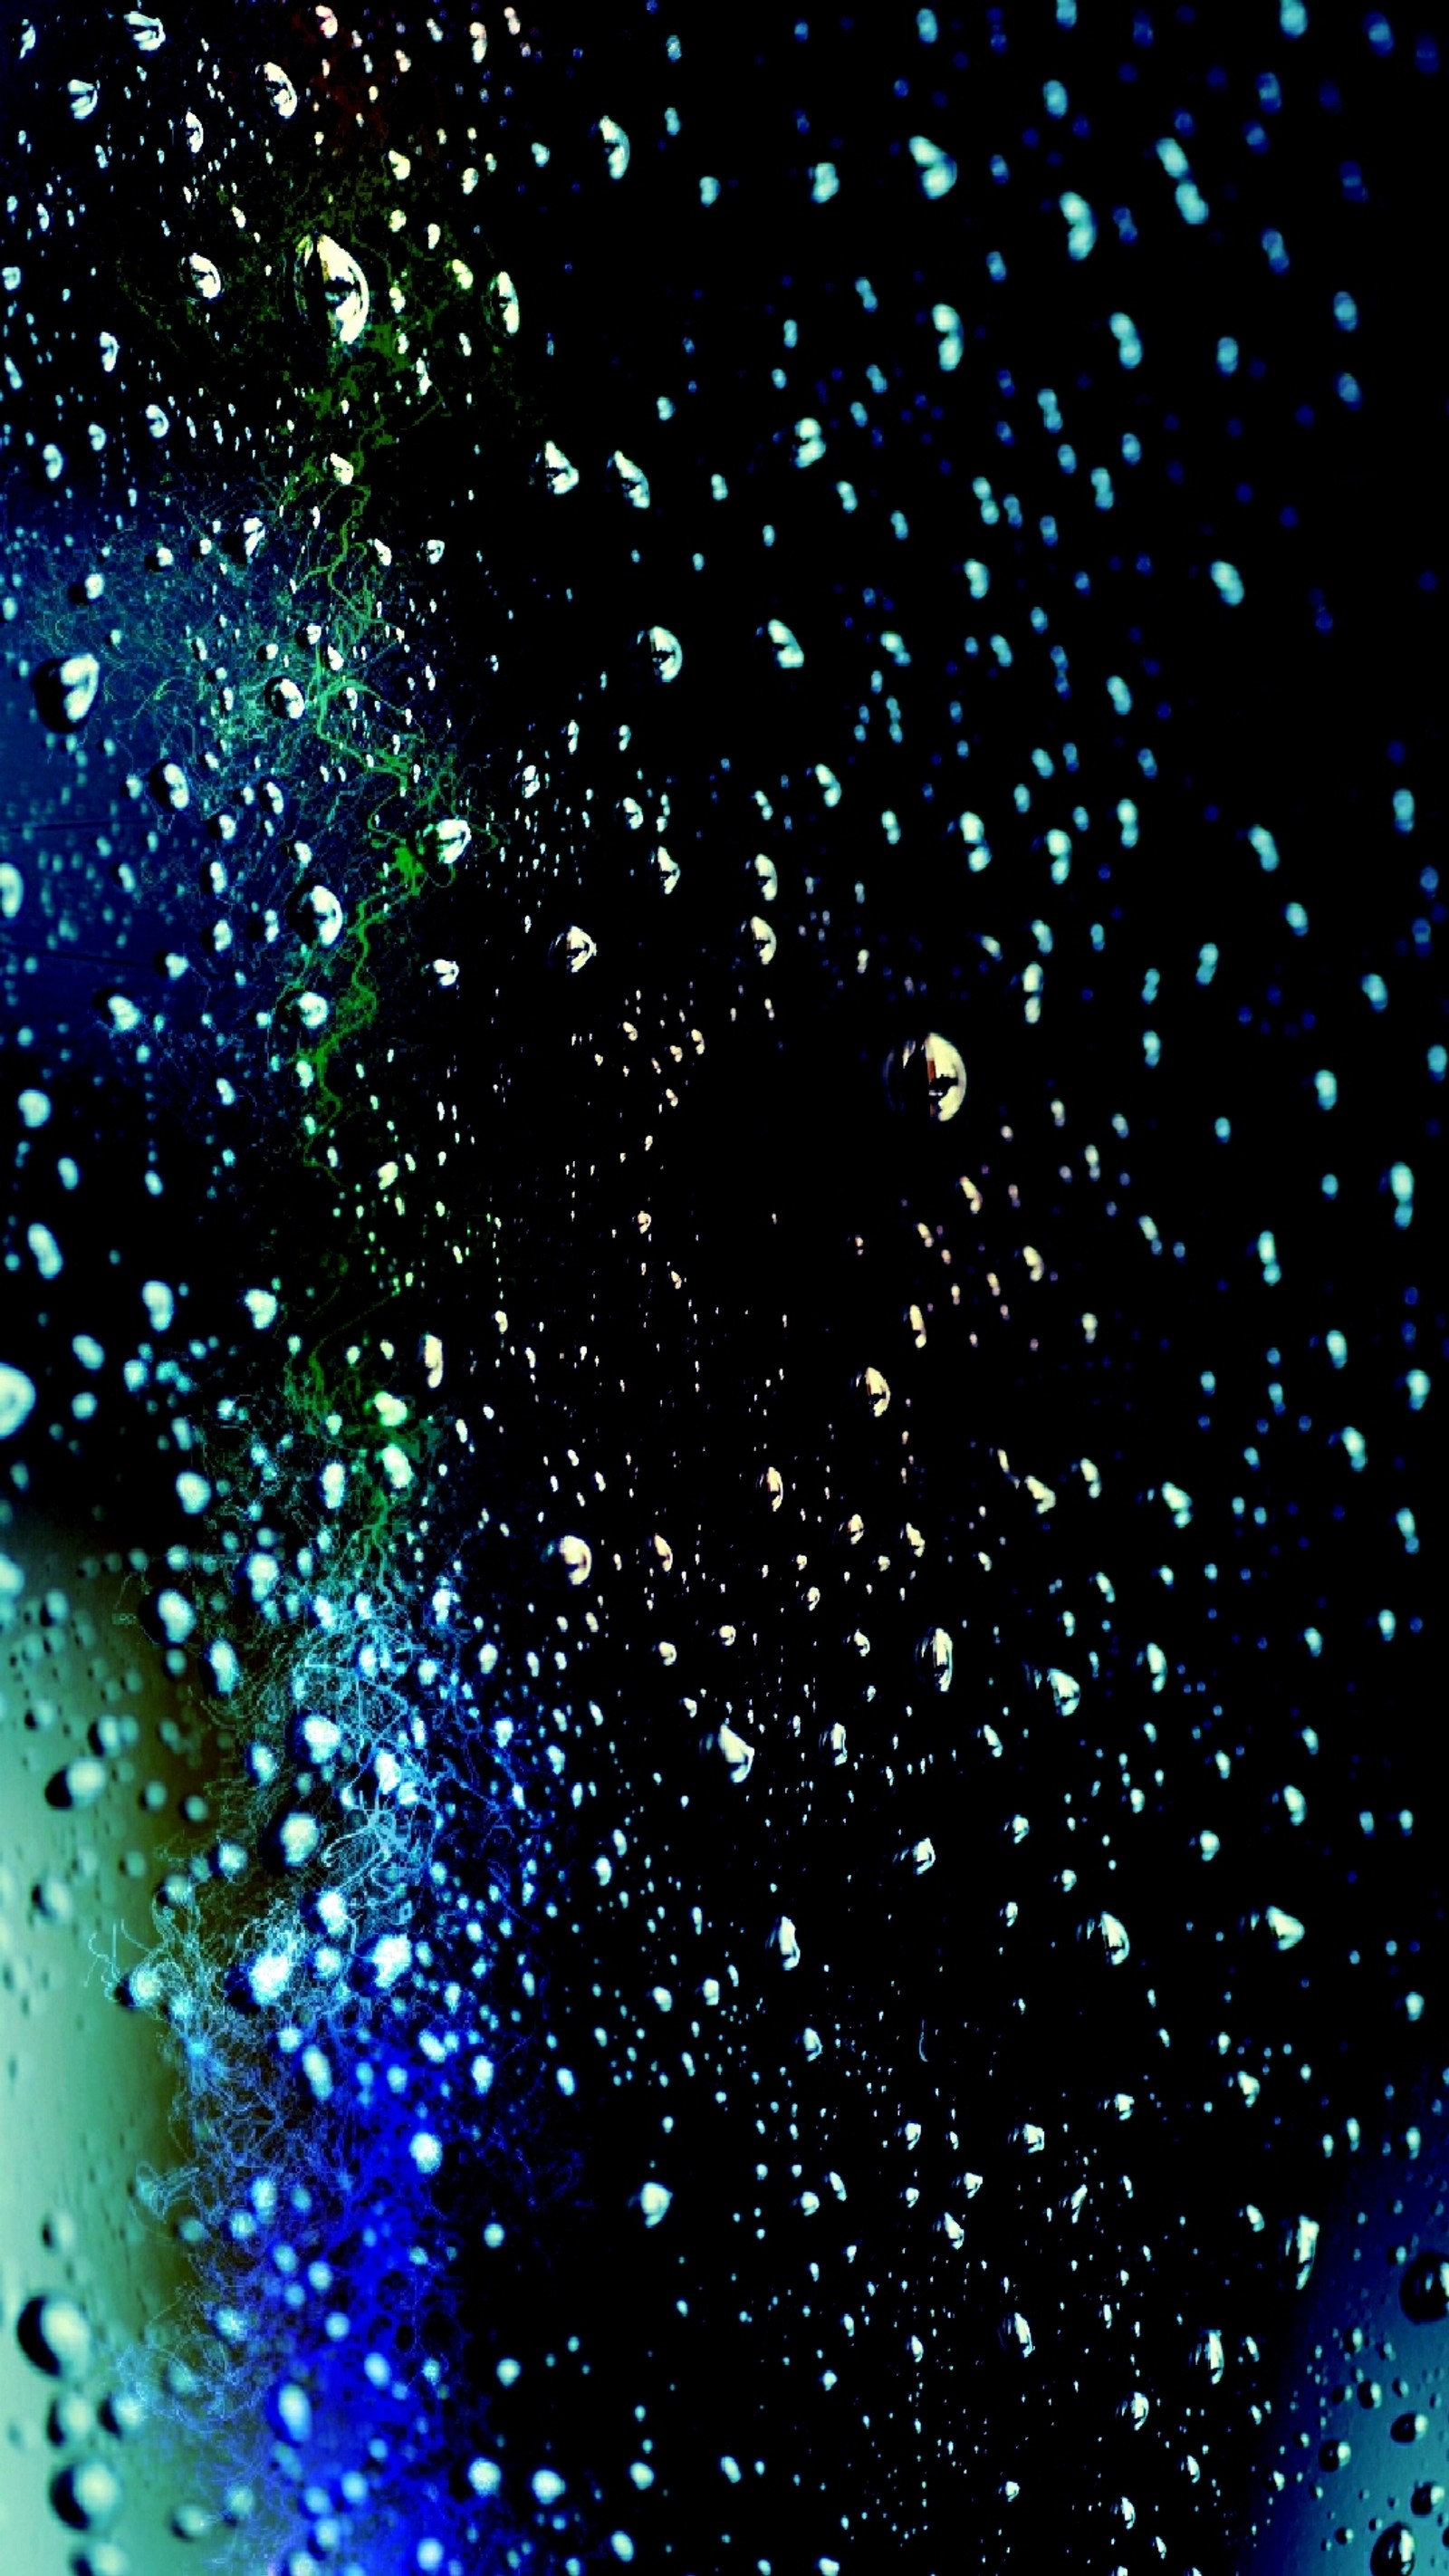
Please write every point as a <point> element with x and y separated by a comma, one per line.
<point>722,1017</point>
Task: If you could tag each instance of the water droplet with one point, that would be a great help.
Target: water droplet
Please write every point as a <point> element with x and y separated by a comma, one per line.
<point>572,950</point>
<point>317,914</point>
<point>294,1839</point>
<point>937,169</point>
<point>1394,2551</point>
<point>1300,2249</point>
<point>160,1304</point>
<point>290,2408</point>
<point>55,2335</point>
<point>1106,1934</point>
<point>576,1558</point>
<point>633,479</point>
<point>951,341</point>
<point>203,277</point>
<point>65,691</point>
<point>1424,2290</point>
<point>80,1784</point>
<point>558,473</point>
<point>936,1656</point>
<point>926,1073</point>
<point>72,2419</point>
<point>123,2413</point>
<point>332,289</point>
<point>873,1391</point>
<point>169,786</point>
<point>269,1975</point>
<point>280,93</point>
<point>738,1754</point>
<point>392,1956</point>
<point>616,146</point>
<point>17,1399</point>
<point>662,651</point>
<point>87,2495</point>
<point>788,651</point>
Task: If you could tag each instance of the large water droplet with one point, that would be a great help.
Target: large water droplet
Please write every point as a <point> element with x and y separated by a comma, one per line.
<point>65,690</point>
<point>87,2495</point>
<point>1300,2249</point>
<point>926,1073</point>
<point>169,786</point>
<point>293,1840</point>
<point>936,1656</point>
<point>633,478</point>
<point>873,1391</point>
<point>1394,2551</point>
<point>739,1755</point>
<point>575,1557</point>
<point>332,289</point>
<point>80,1784</point>
<point>559,474</point>
<point>17,1399</point>
<point>318,915</point>
<point>1108,1935</point>
<point>203,277</point>
<point>572,950</point>
<point>616,146</point>
<point>1424,2290</point>
<point>937,169</point>
<point>280,92</point>
<point>663,652</point>
<point>55,2334</point>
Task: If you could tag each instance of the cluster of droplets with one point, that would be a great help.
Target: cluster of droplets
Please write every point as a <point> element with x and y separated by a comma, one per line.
<point>792,1596</point>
